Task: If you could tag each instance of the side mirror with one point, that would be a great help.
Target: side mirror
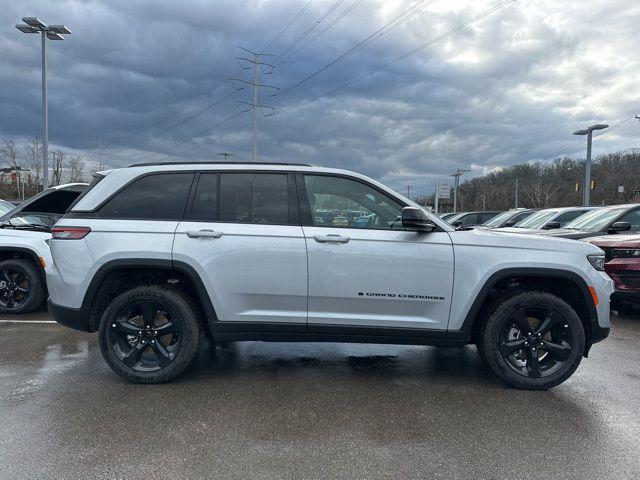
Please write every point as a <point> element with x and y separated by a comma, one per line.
<point>551,225</point>
<point>620,227</point>
<point>509,223</point>
<point>415,220</point>
<point>457,223</point>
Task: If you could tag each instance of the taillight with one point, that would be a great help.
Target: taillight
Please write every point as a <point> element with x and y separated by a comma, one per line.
<point>69,233</point>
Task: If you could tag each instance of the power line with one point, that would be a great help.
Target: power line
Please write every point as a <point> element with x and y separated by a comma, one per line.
<point>397,20</point>
<point>287,26</point>
<point>402,57</point>
<point>344,13</point>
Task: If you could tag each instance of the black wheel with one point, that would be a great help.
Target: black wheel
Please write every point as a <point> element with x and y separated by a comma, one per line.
<point>22,288</point>
<point>149,334</point>
<point>533,340</point>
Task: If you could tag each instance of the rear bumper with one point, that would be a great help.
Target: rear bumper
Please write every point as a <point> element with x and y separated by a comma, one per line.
<point>75,318</point>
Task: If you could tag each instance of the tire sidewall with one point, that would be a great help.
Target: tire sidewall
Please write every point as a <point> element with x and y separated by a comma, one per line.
<point>503,312</point>
<point>189,340</point>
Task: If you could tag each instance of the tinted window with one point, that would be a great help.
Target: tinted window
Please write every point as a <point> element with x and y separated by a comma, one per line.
<point>566,217</point>
<point>205,202</point>
<point>55,201</point>
<point>483,217</point>
<point>471,219</point>
<point>339,202</point>
<point>254,198</point>
<point>633,218</point>
<point>153,197</point>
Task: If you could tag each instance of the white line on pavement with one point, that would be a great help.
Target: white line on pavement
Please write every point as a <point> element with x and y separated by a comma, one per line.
<point>27,321</point>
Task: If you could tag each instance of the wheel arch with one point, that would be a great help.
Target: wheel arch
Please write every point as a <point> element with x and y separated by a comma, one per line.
<point>565,284</point>
<point>118,275</point>
<point>7,253</point>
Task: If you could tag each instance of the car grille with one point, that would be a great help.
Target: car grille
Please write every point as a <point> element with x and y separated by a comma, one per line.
<point>630,280</point>
<point>608,253</point>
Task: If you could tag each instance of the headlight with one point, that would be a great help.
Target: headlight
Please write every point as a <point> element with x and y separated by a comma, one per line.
<point>625,253</point>
<point>596,261</point>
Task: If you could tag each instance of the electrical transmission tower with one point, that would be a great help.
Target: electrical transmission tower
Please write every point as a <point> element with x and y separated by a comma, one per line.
<point>255,64</point>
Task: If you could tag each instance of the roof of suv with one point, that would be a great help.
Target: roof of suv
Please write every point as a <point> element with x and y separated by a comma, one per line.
<point>153,164</point>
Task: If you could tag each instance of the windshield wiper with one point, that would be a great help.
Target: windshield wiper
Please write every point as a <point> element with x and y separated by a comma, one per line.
<point>27,226</point>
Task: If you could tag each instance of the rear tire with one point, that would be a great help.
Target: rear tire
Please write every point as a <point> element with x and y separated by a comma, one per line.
<point>22,288</point>
<point>149,334</point>
<point>533,340</point>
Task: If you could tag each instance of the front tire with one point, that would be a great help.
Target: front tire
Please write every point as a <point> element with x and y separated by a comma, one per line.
<point>149,334</point>
<point>533,340</point>
<point>22,288</point>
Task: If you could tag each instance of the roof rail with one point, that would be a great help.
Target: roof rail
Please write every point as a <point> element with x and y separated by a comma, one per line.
<point>152,164</point>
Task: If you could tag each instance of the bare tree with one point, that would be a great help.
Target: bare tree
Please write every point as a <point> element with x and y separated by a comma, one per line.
<point>33,158</point>
<point>58,158</point>
<point>76,169</point>
<point>9,155</point>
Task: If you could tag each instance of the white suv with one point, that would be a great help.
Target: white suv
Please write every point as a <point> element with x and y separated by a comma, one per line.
<point>155,256</point>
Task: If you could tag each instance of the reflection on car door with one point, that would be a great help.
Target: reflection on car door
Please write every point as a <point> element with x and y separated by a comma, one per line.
<point>369,272</point>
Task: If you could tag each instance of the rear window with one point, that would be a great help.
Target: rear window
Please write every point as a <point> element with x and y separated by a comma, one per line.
<point>57,201</point>
<point>159,196</point>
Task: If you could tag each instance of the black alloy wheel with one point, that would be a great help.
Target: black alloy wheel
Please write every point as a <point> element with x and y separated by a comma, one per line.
<point>536,342</point>
<point>15,287</point>
<point>149,334</point>
<point>145,335</point>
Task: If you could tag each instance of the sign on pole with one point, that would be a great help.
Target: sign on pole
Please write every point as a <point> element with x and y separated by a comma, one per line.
<point>620,188</point>
<point>444,190</point>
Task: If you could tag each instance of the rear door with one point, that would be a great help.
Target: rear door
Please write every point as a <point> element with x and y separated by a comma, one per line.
<point>364,269</point>
<point>243,236</point>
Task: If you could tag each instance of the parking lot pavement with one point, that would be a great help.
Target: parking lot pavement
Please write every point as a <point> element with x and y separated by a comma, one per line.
<point>259,410</point>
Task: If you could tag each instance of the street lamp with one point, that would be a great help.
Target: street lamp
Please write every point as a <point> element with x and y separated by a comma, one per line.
<point>52,32</point>
<point>587,176</point>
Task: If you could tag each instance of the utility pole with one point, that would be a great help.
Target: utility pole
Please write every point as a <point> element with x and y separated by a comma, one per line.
<point>52,32</point>
<point>586,201</point>
<point>516,193</point>
<point>456,177</point>
<point>255,64</point>
<point>484,201</point>
<point>226,155</point>
<point>435,197</point>
<point>409,192</point>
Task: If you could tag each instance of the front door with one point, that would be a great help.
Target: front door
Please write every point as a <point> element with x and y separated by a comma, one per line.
<point>243,236</point>
<point>364,269</point>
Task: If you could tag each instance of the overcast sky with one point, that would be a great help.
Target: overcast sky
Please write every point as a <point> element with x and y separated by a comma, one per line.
<point>135,77</point>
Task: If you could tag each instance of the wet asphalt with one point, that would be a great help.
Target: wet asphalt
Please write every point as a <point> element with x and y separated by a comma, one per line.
<point>280,411</point>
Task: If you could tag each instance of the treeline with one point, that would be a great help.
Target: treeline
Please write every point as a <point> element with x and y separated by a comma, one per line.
<point>24,163</point>
<point>546,185</point>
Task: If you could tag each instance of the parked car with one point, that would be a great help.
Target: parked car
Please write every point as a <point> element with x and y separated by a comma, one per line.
<point>618,219</point>
<point>6,207</point>
<point>156,255</point>
<point>547,219</point>
<point>509,218</point>
<point>447,216</point>
<point>622,263</point>
<point>24,253</point>
<point>471,219</point>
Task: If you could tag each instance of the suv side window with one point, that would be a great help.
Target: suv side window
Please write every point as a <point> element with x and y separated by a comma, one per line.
<point>254,198</point>
<point>633,217</point>
<point>159,196</point>
<point>340,202</point>
<point>565,218</point>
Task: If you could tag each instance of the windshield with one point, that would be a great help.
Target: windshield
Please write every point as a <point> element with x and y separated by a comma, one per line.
<point>39,220</point>
<point>537,220</point>
<point>595,220</point>
<point>498,220</point>
<point>455,217</point>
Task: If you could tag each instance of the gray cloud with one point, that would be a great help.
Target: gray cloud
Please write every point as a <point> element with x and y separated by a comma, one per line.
<point>507,90</point>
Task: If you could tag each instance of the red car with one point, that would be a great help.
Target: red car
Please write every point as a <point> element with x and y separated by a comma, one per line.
<point>622,263</point>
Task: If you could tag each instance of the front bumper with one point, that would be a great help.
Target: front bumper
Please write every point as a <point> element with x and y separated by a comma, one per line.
<point>75,318</point>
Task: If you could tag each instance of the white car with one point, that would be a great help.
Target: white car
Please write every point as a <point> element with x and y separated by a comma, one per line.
<point>548,219</point>
<point>24,252</point>
<point>156,255</point>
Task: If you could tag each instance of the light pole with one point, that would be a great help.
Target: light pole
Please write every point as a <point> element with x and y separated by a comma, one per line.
<point>587,170</point>
<point>52,32</point>
<point>457,176</point>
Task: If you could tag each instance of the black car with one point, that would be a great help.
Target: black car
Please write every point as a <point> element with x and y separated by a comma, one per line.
<point>602,221</point>
<point>471,219</point>
<point>509,218</point>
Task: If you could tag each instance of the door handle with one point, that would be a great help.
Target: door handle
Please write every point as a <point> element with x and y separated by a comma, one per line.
<point>331,238</point>
<point>203,234</point>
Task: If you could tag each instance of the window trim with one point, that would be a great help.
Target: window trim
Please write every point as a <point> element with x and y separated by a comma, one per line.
<point>293,206</point>
<point>96,210</point>
<point>305,205</point>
